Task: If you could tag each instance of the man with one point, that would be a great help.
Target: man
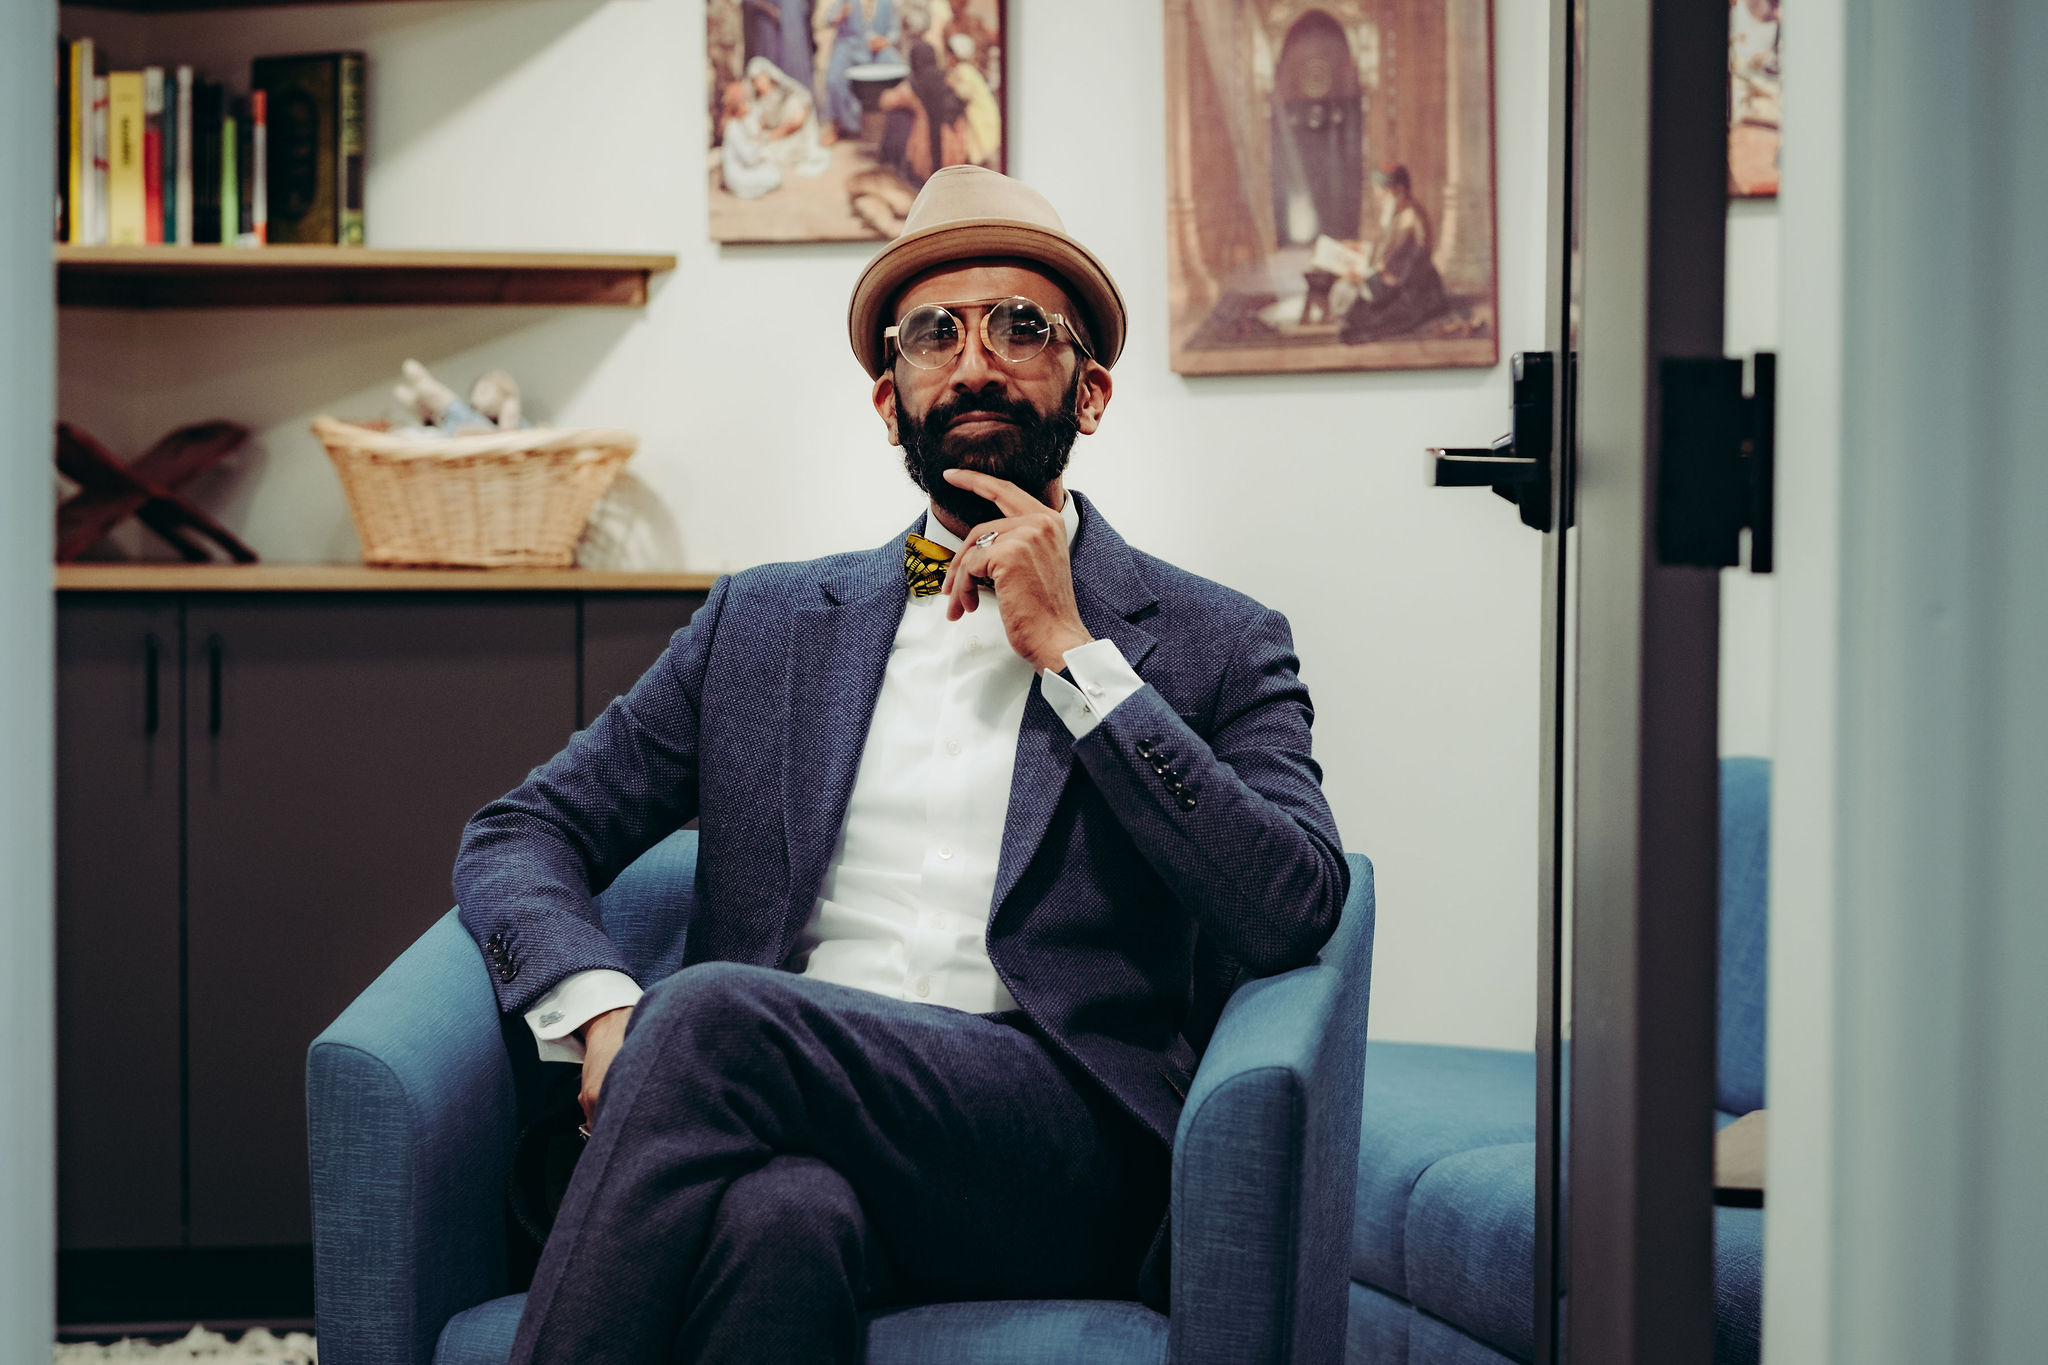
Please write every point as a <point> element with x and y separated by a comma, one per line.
<point>1403,289</point>
<point>988,816</point>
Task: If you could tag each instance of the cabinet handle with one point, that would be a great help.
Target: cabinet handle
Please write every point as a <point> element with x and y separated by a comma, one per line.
<point>213,652</point>
<point>149,684</point>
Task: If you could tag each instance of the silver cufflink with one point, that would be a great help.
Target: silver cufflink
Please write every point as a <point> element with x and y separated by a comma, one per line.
<point>551,1018</point>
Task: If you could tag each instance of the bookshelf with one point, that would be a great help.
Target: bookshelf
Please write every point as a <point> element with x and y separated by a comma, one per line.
<point>295,276</point>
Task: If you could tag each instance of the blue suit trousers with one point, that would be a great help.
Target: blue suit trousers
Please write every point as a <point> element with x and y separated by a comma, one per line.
<point>773,1154</point>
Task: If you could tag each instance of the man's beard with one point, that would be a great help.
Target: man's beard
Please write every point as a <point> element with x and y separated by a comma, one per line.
<point>1031,453</point>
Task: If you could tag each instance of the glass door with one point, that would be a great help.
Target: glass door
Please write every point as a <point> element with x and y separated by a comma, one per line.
<point>1624,452</point>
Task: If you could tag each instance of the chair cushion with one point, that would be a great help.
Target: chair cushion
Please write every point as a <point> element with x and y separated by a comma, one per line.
<point>1472,1244</point>
<point>1745,931</point>
<point>1422,1104</point>
<point>481,1335</point>
<point>1018,1332</point>
<point>1022,1332</point>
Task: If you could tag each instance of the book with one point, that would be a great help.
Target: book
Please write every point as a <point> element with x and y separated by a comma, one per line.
<point>124,159</point>
<point>66,140</point>
<point>230,181</point>
<point>181,195</point>
<point>99,159</point>
<point>245,171</point>
<point>314,163</point>
<point>153,155</point>
<point>259,189</point>
<point>206,116</point>
<point>81,142</point>
<point>1338,259</point>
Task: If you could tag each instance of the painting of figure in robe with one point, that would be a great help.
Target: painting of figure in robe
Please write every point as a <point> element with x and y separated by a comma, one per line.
<point>827,116</point>
<point>1331,187</point>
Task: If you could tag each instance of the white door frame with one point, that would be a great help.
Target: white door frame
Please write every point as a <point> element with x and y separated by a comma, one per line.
<point>28,46</point>
<point>1908,1213</point>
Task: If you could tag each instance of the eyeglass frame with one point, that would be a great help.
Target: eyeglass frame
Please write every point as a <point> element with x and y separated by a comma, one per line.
<point>988,307</point>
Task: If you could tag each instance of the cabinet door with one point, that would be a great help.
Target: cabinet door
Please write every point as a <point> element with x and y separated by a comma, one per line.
<point>623,634</point>
<point>119,1098</point>
<point>337,745</point>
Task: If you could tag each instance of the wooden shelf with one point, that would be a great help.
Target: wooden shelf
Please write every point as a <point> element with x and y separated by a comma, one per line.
<point>300,276</point>
<point>362,578</point>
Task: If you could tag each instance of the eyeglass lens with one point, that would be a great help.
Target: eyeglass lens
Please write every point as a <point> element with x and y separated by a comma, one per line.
<point>931,335</point>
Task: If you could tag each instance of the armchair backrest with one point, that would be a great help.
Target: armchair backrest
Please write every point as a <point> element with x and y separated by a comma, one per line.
<point>646,909</point>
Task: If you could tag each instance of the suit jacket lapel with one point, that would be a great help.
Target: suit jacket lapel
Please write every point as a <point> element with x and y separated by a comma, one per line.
<point>1108,591</point>
<point>837,652</point>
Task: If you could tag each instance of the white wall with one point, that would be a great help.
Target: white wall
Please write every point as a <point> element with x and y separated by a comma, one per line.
<point>28,1202</point>
<point>579,124</point>
<point>1749,601</point>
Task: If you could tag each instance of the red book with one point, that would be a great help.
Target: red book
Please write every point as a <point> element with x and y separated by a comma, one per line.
<point>153,155</point>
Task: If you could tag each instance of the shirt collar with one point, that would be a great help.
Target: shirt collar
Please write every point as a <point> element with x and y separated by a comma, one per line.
<point>936,532</point>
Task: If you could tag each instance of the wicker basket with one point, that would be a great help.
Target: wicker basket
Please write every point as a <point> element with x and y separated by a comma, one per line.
<point>492,500</point>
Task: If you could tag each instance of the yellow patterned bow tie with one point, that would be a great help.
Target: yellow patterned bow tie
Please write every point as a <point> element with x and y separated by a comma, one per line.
<point>924,564</point>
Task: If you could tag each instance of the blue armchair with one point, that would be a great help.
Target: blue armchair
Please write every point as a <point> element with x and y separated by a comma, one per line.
<point>415,1094</point>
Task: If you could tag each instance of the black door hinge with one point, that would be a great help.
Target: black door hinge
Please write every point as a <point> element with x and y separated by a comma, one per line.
<point>1716,462</point>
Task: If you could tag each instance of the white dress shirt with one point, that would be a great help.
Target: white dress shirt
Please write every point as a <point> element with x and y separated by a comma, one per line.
<point>904,906</point>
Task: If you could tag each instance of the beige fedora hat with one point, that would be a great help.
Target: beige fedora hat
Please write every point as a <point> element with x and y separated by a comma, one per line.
<point>967,211</point>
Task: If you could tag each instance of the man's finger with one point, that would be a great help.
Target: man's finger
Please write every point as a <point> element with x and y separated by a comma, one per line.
<point>1013,500</point>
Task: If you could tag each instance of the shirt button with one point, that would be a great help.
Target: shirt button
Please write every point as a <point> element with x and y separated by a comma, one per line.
<point>973,642</point>
<point>923,985</point>
<point>945,850</point>
<point>952,746</point>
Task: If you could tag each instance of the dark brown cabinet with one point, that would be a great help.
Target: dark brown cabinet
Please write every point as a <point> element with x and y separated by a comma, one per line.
<point>260,799</point>
<point>119,940</point>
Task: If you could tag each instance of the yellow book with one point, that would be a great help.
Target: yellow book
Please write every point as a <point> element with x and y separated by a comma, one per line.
<point>126,198</point>
<point>79,113</point>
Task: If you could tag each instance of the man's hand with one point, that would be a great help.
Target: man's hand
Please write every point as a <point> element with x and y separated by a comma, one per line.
<point>601,1039</point>
<point>1028,567</point>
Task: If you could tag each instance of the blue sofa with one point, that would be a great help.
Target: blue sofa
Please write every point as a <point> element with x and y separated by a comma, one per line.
<point>1444,1233</point>
<point>416,1093</point>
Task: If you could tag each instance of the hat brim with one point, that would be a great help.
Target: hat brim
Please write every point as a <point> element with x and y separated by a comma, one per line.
<point>912,254</point>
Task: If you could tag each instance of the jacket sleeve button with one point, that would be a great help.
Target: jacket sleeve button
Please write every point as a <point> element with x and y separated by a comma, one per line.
<point>1187,801</point>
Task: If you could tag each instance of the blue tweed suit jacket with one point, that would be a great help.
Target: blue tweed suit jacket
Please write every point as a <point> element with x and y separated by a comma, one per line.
<point>1116,897</point>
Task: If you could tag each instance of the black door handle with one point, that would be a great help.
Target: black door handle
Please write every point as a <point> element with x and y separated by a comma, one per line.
<point>213,652</point>
<point>1517,466</point>
<point>149,684</point>
<point>1483,467</point>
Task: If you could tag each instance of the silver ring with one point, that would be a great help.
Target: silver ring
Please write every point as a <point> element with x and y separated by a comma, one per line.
<point>983,542</point>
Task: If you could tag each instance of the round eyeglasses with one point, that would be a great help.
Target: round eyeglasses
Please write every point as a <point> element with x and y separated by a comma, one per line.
<point>1013,330</point>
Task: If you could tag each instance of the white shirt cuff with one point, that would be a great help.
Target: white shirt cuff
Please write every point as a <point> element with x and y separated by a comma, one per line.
<point>1104,679</point>
<point>575,1001</point>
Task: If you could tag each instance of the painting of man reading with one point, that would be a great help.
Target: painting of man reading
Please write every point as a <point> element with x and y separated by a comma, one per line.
<point>1330,179</point>
<point>827,116</point>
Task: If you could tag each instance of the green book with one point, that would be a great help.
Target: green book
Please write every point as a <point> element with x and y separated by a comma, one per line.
<point>314,162</point>
<point>230,185</point>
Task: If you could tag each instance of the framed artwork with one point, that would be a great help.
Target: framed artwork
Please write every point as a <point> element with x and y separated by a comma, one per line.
<point>827,116</point>
<point>1753,98</point>
<point>1330,181</point>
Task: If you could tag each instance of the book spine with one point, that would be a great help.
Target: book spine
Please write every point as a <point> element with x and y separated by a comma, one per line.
<point>205,162</point>
<point>351,158</point>
<point>181,193</point>
<point>66,139</point>
<point>153,155</point>
<point>125,188</point>
<point>81,140</point>
<point>259,166</point>
<point>230,188</point>
<point>99,161</point>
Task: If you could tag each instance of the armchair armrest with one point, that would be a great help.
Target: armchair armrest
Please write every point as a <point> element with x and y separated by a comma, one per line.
<point>1266,1160</point>
<point>411,1116</point>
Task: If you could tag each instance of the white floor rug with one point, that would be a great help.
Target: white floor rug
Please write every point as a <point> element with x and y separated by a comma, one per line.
<point>255,1347</point>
